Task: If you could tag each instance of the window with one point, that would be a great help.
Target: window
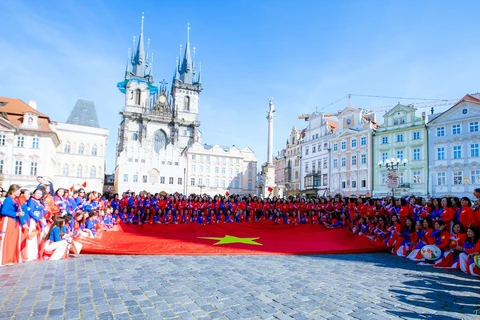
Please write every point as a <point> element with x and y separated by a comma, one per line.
<point>94,150</point>
<point>441,179</point>
<point>194,156</point>
<point>335,147</point>
<point>306,151</point>
<point>474,150</point>
<point>250,186</point>
<point>125,177</point>
<point>335,163</point>
<point>222,183</point>
<point>400,178</point>
<point>400,137</point>
<point>93,172</point>
<point>1,165</point>
<point>79,171</point>
<point>20,141</point>
<point>363,183</point>
<point>66,149</point>
<point>457,152</point>
<point>207,169</point>
<point>65,170</point>
<point>440,131</point>
<point>208,158</point>
<point>319,148</point>
<point>313,166</point>
<point>416,177</point>
<point>159,141</point>
<point>354,143</point>
<point>384,156</point>
<point>162,180</point>
<point>35,142</point>
<point>363,159</point>
<point>475,177</point>
<point>474,126</point>
<point>33,168</point>
<point>223,170</point>
<point>384,140</point>
<point>354,184</point>
<point>344,184</point>
<point>306,167</point>
<point>363,141</point>
<point>192,181</point>
<point>416,135</point>
<point>457,177</point>
<point>193,168</point>
<point>144,179</point>
<point>344,145</point>
<point>216,170</point>
<point>170,180</point>
<point>216,183</point>
<point>383,179</point>
<point>456,129</point>
<point>138,94</point>
<point>230,171</point>
<point>250,174</point>
<point>2,139</point>
<point>416,154</point>
<point>440,153</point>
<point>237,171</point>
<point>324,163</point>
<point>400,155</point>
<point>236,184</point>
<point>200,169</point>
<point>344,161</point>
<point>81,149</point>
<point>207,182</point>
<point>354,160</point>
<point>313,149</point>
<point>135,178</point>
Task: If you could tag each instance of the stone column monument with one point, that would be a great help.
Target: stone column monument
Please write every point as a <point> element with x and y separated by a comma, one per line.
<point>268,168</point>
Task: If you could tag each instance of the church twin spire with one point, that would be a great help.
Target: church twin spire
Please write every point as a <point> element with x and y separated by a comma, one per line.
<point>185,71</point>
<point>141,65</point>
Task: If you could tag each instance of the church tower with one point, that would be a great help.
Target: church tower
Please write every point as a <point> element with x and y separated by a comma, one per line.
<point>186,88</point>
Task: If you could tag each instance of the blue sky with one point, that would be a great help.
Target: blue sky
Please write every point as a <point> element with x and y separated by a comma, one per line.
<point>304,54</point>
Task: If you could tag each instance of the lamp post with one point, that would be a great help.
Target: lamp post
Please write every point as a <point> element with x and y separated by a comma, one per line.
<point>392,167</point>
<point>201,186</point>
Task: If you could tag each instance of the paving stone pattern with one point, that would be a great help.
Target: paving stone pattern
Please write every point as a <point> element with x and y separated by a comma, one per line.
<point>355,286</point>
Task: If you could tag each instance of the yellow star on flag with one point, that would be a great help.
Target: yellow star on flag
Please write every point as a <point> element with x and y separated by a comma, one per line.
<point>227,239</point>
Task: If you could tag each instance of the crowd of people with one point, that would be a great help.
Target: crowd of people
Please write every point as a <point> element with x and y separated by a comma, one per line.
<point>43,223</point>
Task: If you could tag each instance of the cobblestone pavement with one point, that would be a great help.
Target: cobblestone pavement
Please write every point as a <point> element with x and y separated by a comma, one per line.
<point>356,286</point>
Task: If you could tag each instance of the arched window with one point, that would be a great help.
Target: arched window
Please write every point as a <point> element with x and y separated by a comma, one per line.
<point>67,148</point>
<point>81,149</point>
<point>134,136</point>
<point>94,150</point>
<point>93,172</point>
<point>187,103</point>
<point>79,171</point>
<point>138,94</point>
<point>65,170</point>
<point>159,141</point>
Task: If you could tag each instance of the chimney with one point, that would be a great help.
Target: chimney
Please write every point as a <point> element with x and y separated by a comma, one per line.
<point>423,115</point>
<point>33,104</point>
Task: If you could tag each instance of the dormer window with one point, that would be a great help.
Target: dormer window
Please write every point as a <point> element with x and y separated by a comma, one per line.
<point>30,119</point>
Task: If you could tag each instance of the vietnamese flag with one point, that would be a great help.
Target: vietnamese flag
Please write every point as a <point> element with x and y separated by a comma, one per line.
<point>259,238</point>
<point>72,188</point>
<point>84,184</point>
<point>227,194</point>
<point>270,189</point>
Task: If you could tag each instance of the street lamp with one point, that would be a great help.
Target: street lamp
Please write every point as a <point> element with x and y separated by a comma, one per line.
<point>392,166</point>
<point>201,186</point>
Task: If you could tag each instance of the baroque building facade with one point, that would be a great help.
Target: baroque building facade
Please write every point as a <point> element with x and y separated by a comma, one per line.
<point>81,153</point>
<point>315,159</point>
<point>402,136</point>
<point>351,155</point>
<point>218,169</point>
<point>27,144</point>
<point>454,140</point>
<point>292,162</point>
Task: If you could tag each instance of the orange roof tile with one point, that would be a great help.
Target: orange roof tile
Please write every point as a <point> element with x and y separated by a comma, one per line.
<point>16,108</point>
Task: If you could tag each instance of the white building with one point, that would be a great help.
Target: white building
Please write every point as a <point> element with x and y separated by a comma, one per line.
<point>216,170</point>
<point>157,125</point>
<point>454,139</point>
<point>81,154</point>
<point>27,144</point>
<point>292,169</point>
<point>351,156</point>
<point>315,160</point>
